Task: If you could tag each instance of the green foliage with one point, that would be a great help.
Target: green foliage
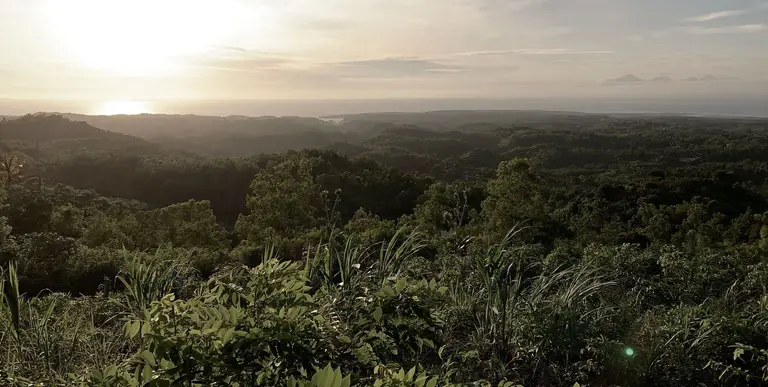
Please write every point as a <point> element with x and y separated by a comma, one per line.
<point>515,196</point>
<point>261,333</point>
<point>50,337</point>
<point>10,299</point>
<point>632,254</point>
<point>5,231</point>
<point>148,279</point>
<point>404,246</point>
<point>326,377</point>
<point>445,207</point>
<point>188,224</point>
<point>368,228</point>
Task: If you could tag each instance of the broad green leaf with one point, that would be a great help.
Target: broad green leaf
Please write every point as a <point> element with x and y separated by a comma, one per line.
<point>134,328</point>
<point>148,357</point>
<point>146,374</point>
<point>400,285</point>
<point>410,374</point>
<point>337,378</point>
<point>145,327</point>
<point>388,291</point>
<point>227,335</point>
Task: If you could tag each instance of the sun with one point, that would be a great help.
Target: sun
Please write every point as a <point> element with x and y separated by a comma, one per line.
<point>112,108</point>
<point>138,37</point>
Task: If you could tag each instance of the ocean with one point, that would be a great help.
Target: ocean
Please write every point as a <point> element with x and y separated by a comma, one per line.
<point>726,106</point>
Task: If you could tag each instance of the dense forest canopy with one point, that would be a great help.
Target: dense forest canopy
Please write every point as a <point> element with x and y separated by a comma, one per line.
<point>388,249</point>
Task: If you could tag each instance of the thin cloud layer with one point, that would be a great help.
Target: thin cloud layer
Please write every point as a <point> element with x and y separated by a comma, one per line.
<point>392,68</point>
<point>715,15</point>
<point>738,29</point>
<point>536,51</point>
<point>384,48</point>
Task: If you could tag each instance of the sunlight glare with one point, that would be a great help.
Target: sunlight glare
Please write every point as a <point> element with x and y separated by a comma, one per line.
<point>112,108</point>
<point>138,37</point>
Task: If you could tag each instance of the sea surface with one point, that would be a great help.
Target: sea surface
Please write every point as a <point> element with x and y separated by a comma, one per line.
<point>731,106</point>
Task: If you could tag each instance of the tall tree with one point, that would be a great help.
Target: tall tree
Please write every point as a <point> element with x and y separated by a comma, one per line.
<point>10,167</point>
<point>515,196</point>
<point>284,201</point>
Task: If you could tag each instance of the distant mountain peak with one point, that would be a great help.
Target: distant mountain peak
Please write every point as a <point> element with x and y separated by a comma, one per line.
<point>705,78</point>
<point>629,78</point>
<point>662,79</point>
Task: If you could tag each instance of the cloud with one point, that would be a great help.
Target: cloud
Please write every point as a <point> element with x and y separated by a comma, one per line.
<point>708,78</point>
<point>323,24</point>
<point>275,68</point>
<point>698,30</point>
<point>715,15</point>
<point>632,79</point>
<point>392,68</point>
<point>534,51</point>
<point>504,5</point>
<point>244,61</point>
<point>740,29</point>
<point>231,48</point>
<point>629,78</point>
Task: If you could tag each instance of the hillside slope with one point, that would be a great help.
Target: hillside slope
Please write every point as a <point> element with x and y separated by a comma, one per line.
<point>222,136</point>
<point>45,136</point>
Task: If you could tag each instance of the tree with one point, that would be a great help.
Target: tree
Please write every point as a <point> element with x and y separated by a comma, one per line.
<point>10,166</point>
<point>446,206</point>
<point>515,196</point>
<point>188,224</point>
<point>368,228</point>
<point>5,230</point>
<point>284,201</point>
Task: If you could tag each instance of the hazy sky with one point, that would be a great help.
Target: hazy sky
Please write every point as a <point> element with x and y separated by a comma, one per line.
<point>285,49</point>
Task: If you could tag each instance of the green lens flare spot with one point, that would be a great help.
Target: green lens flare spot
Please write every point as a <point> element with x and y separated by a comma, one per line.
<point>629,351</point>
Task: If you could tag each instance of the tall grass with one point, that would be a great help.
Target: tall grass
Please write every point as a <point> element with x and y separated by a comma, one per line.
<point>338,268</point>
<point>344,267</point>
<point>401,248</point>
<point>148,279</point>
<point>502,284</point>
<point>42,338</point>
<point>10,298</point>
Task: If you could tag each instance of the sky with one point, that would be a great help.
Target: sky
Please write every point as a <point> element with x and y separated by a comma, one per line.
<point>121,50</point>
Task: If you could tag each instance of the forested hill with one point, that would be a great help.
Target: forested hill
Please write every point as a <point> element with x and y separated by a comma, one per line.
<point>405,135</point>
<point>455,119</point>
<point>55,136</point>
<point>162,125</point>
<point>222,136</point>
<point>453,250</point>
<point>592,150</point>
